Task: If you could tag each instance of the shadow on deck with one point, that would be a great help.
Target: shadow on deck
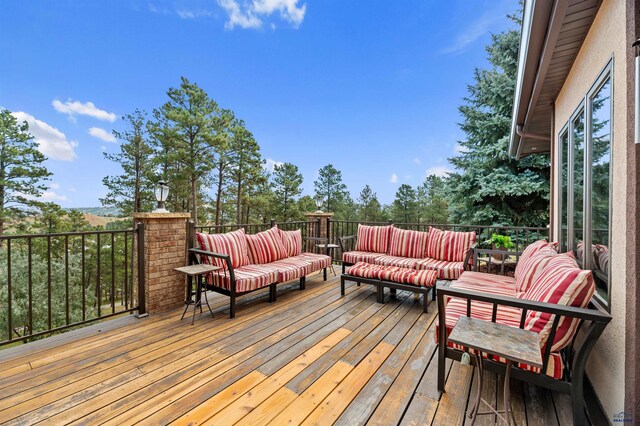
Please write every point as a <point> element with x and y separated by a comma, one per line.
<point>312,357</point>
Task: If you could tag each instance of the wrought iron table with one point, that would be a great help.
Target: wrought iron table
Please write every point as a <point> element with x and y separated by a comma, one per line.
<point>197,271</point>
<point>510,343</point>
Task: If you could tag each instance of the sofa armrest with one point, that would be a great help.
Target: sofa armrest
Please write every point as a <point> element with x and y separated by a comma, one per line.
<point>347,243</point>
<point>194,253</point>
<point>469,256</point>
<point>597,317</point>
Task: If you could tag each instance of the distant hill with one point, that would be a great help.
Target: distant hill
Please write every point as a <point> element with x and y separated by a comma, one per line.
<point>98,211</point>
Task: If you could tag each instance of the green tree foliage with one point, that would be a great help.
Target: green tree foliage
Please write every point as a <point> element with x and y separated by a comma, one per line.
<point>369,208</point>
<point>132,191</point>
<point>223,163</point>
<point>405,206</point>
<point>346,209</point>
<point>329,187</point>
<point>432,202</point>
<point>491,187</point>
<point>22,173</point>
<point>287,186</point>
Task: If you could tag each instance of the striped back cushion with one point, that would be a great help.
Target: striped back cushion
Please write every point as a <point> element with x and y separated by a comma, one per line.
<point>531,268</point>
<point>563,283</point>
<point>292,241</point>
<point>408,243</point>
<point>266,246</point>
<point>529,251</point>
<point>373,238</point>
<point>449,245</point>
<point>232,243</point>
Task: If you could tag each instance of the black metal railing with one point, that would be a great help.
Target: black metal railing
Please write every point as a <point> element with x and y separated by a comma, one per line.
<point>52,282</point>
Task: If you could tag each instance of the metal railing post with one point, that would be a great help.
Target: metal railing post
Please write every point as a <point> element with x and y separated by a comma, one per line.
<point>142,308</point>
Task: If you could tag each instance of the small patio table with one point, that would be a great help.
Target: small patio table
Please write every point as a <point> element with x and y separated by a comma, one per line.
<point>197,271</point>
<point>330,248</point>
<point>510,343</point>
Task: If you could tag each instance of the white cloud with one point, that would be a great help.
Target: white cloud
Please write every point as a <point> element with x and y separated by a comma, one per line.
<point>99,133</point>
<point>55,185</point>
<point>417,161</point>
<point>441,171</point>
<point>270,164</point>
<point>52,196</point>
<point>73,108</point>
<point>473,32</point>
<point>194,14</point>
<point>249,15</point>
<point>394,178</point>
<point>51,141</point>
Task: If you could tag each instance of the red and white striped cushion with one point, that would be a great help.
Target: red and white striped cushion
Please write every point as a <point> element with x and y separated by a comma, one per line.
<point>387,260</point>
<point>359,256</point>
<point>487,283</point>
<point>562,283</point>
<point>426,278</point>
<point>449,245</point>
<point>602,257</point>
<point>318,261</point>
<point>530,250</point>
<point>292,241</point>
<point>365,270</point>
<point>291,268</point>
<point>373,238</point>
<point>446,270</point>
<point>266,246</point>
<point>232,243</point>
<point>406,243</point>
<point>531,268</point>
<point>248,277</point>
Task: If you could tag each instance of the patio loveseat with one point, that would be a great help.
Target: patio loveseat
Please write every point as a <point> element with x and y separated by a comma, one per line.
<point>549,294</point>
<point>251,262</point>
<point>389,257</point>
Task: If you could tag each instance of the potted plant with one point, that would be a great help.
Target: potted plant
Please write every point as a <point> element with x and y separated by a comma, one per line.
<point>500,242</point>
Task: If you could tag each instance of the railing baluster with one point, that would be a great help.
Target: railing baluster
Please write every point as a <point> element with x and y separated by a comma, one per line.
<point>9,307</point>
<point>30,275</point>
<point>113,273</point>
<point>82,277</point>
<point>98,289</point>
<point>66,279</point>
<point>49,282</point>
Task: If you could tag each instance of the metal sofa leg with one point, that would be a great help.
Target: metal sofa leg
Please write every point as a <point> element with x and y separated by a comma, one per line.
<point>342,285</point>
<point>425,302</point>
<point>232,306</point>
<point>441,366</point>
<point>272,293</point>
<point>379,293</point>
<point>577,397</point>
<point>303,282</point>
<point>324,274</point>
<point>344,268</point>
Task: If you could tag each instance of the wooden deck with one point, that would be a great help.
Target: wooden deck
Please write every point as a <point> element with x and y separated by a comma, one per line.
<point>312,357</point>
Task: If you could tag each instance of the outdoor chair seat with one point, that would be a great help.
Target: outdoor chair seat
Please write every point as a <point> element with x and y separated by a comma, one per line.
<point>424,278</point>
<point>247,278</point>
<point>355,256</point>
<point>446,270</point>
<point>399,261</point>
<point>489,283</point>
<point>318,261</point>
<point>292,268</point>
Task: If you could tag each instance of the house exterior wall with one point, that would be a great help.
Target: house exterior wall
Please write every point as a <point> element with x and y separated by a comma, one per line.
<point>606,39</point>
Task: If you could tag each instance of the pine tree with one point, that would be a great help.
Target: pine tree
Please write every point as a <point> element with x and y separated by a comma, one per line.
<point>287,182</point>
<point>432,203</point>
<point>329,187</point>
<point>22,173</point>
<point>404,207</point>
<point>369,208</point>
<point>132,191</point>
<point>222,169</point>
<point>491,187</point>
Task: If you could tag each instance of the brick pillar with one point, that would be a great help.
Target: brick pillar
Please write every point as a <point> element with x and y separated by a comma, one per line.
<point>324,228</point>
<point>165,248</point>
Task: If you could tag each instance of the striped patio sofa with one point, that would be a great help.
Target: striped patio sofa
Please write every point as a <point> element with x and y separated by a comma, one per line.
<point>251,262</point>
<point>549,294</point>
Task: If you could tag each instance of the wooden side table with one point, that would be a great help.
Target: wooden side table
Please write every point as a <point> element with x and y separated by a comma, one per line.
<point>510,343</point>
<point>330,248</point>
<point>197,271</point>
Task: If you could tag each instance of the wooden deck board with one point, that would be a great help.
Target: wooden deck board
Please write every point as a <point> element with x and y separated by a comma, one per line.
<point>311,357</point>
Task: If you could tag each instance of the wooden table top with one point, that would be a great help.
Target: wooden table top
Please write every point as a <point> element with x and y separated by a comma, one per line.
<point>194,270</point>
<point>498,339</point>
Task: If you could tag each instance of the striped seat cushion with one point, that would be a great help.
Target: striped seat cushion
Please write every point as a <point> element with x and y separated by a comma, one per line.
<point>365,270</point>
<point>487,283</point>
<point>446,270</point>
<point>292,241</point>
<point>531,267</point>
<point>562,283</point>
<point>425,278</point>
<point>266,246</point>
<point>405,243</point>
<point>356,256</point>
<point>232,243</point>
<point>291,268</point>
<point>505,315</point>
<point>373,238</point>
<point>388,260</point>
<point>318,261</point>
<point>601,257</point>
<point>248,277</point>
<point>530,250</point>
<point>449,245</point>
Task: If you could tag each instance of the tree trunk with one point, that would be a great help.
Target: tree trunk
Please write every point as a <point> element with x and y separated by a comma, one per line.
<point>194,194</point>
<point>219,193</point>
<point>238,202</point>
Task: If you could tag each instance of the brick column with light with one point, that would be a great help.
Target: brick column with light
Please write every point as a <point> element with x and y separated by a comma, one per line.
<point>165,248</point>
<point>324,221</point>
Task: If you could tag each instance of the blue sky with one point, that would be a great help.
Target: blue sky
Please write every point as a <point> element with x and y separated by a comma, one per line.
<point>369,86</point>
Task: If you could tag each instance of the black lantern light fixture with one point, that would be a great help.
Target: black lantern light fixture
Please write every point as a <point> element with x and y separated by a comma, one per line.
<point>318,201</point>
<point>161,192</point>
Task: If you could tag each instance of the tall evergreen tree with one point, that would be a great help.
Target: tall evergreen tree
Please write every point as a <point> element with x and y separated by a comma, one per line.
<point>287,186</point>
<point>329,187</point>
<point>132,191</point>
<point>404,207</point>
<point>223,163</point>
<point>432,202</point>
<point>369,208</point>
<point>491,187</point>
<point>22,172</point>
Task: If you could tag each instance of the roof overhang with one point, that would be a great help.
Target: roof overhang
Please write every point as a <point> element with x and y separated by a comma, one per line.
<point>552,33</point>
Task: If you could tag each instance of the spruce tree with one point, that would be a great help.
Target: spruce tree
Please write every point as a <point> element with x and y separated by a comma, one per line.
<point>329,187</point>
<point>287,186</point>
<point>369,208</point>
<point>432,202</point>
<point>404,207</point>
<point>22,172</point>
<point>489,186</point>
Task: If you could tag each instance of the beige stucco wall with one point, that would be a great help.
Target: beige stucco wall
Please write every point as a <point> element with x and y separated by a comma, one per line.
<point>606,39</point>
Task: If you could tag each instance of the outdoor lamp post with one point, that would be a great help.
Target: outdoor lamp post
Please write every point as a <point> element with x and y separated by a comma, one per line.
<point>162,192</point>
<point>318,201</point>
